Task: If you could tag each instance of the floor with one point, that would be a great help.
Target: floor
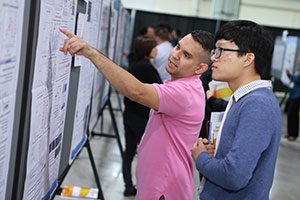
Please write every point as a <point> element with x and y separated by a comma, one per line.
<point>107,157</point>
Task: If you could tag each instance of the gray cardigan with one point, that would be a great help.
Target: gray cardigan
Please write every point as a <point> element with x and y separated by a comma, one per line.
<point>243,167</point>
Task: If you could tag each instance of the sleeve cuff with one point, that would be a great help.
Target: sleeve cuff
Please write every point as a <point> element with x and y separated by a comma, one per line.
<point>200,161</point>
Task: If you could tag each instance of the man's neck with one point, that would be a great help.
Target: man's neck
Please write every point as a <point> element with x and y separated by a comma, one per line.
<point>234,85</point>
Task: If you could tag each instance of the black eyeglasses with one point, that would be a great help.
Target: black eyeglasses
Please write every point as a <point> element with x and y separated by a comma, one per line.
<point>217,52</point>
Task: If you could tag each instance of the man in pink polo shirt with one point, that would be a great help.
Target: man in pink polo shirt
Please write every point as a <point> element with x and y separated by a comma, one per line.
<point>165,166</point>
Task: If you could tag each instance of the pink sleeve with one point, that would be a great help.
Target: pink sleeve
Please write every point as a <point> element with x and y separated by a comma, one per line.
<point>174,98</point>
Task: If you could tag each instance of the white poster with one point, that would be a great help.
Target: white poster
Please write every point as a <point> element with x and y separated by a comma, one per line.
<point>11,24</point>
<point>115,4</point>
<point>289,59</point>
<point>49,99</point>
<point>85,85</point>
<point>103,45</point>
<point>122,44</point>
<point>104,27</point>
<point>99,82</point>
<point>278,57</point>
<point>120,35</point>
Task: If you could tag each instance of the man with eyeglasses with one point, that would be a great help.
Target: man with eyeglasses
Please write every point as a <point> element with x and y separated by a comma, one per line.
<point>248,140</point>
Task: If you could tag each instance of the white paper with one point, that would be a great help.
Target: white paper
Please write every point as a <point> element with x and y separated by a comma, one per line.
<point>6,128</point>
<point>215,123</point>
<point>49,99</point>
<point>11,24</point>
<point>82,19</point>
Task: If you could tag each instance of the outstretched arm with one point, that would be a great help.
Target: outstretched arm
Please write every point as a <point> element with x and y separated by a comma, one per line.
<point>119,78</point>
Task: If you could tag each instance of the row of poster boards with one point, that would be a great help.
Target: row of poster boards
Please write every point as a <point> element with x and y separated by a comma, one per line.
<point>48,99</point>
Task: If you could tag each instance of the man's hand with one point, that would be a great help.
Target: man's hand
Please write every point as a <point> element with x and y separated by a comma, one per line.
<point>201,145</point>
<point>210,149</point>
<point>75,45</point>
<point>211,92</point>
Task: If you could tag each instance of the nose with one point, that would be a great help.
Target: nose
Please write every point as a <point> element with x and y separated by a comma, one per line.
<point>175,53</point>
<point>213,58</point>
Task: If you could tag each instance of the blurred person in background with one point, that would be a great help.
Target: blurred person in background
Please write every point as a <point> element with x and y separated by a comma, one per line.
<point>164,48</point>
<point>294,104</point>
<point>135,116</point>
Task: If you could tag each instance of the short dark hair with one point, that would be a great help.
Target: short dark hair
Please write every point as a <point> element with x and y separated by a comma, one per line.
<point>144,30</point>
<point>164,25</point>
<point>143,46</point>
<point>206,40</point>
<point>163,33</point>
<point>250,37</point>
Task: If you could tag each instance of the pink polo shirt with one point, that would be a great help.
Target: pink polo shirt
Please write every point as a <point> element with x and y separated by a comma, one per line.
<point>165,165</point>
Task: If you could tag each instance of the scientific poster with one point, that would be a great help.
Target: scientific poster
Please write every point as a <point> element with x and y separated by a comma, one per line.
<point>100,85</point>
<point>104,27</point>
<point>127,38</point>
<point>11,24</point>
<point>49,99</point>
<point>278,57</point>
<point>85,85</point>
<point>103,44</point>
<point>123,29</point>
<point>120,35</point>
<point>115,4</point>
<point>289,59</point>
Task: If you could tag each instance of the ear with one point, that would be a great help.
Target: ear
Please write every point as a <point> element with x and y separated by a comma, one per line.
<point>201,68</point>
<point>249,59</point>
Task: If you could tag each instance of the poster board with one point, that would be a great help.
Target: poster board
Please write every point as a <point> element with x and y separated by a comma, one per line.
<point>12,33</point>
<point>49,99</point>
<point>33,126</point>
<point>289,62</point>
<point>278,57</point>
<point>100,85</point>
<point>284,57</point>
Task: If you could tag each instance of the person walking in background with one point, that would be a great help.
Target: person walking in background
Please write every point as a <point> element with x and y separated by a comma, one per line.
<point>135,116</point>
<point>164,47</point>
<point>148,31</point>
<point>175,37</point>
<point>164,164</point>
<point>249,134</point>
<point>294,104</point>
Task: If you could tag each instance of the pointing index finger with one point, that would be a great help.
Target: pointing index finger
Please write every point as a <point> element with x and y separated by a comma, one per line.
<point>67,33</point>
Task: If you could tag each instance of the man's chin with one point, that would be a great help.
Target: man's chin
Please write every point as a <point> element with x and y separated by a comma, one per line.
<point>216,78</point>
<point>168,69</point>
